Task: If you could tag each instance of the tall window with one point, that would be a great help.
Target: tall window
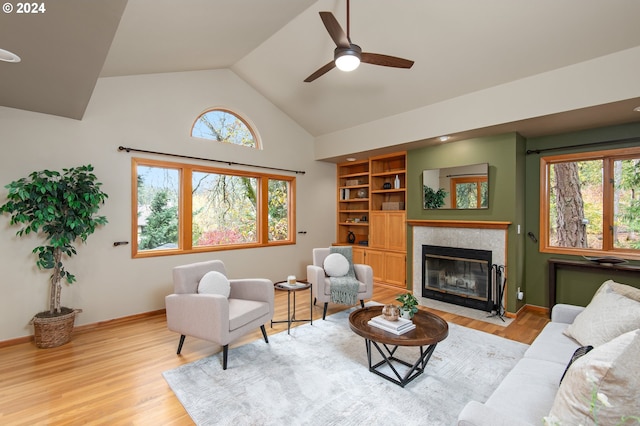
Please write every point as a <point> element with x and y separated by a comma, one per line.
<point>590,203</point>
<point>185,208</point>
<point>224,126</point>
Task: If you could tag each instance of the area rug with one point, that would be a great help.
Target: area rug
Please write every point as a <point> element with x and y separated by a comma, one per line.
<point>318,375</point>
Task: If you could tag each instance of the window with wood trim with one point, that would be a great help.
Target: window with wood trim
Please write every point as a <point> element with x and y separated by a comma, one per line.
<point>222,125</point>
<point>590,203</point>
<point>182,208</point>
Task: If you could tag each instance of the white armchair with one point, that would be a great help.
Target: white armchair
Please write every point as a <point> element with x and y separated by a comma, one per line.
<point>215,317</point>
<point>321,288</point>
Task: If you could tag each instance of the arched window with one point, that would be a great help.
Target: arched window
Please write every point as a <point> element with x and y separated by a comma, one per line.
<point>222,125</point>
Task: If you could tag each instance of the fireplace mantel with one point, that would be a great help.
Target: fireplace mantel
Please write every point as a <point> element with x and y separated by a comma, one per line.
<point>476,224</point>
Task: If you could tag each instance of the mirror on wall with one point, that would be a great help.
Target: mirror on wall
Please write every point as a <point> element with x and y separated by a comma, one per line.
<point>461,187</point>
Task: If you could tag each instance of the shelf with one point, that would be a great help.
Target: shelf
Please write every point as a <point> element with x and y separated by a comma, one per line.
<point>354,223</point>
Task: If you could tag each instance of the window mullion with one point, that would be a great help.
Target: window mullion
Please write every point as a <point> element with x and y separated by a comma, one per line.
<point>186,209</point>
<point>608,204</point>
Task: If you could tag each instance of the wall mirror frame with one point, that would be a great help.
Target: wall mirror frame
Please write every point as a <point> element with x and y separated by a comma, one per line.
<point>461,187</point>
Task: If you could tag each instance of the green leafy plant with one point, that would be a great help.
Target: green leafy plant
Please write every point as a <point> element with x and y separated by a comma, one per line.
<point>433,199</point>
<point>62,207</point>
<point>409,303</point>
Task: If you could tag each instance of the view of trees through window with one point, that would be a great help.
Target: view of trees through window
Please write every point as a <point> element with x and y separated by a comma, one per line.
<point>224,126</point>
<point>594,203</point>
<point>224,207</point>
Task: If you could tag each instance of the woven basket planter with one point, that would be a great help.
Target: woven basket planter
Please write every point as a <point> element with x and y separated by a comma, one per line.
<point>51,332</point>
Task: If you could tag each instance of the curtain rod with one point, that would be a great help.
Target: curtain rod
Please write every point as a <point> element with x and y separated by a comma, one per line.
<point>538,151</point>
<point>230,163</point>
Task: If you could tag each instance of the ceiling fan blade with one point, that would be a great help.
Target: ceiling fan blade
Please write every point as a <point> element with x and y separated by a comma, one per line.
<point>320,72</point>
<point>385,60</point>
<point>335,30</point>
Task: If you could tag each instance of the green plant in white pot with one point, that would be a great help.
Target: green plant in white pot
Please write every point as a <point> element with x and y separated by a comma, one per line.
<point>62,208</point>
<point>409,305</point>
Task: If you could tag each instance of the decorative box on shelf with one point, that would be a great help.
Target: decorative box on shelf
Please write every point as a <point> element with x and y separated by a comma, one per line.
<point>352,182</point>
<point>393,205</point>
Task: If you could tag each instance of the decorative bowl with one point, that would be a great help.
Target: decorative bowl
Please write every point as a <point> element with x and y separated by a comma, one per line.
<point>390,312</point>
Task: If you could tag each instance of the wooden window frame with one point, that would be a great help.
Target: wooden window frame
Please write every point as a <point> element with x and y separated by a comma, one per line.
<point>608,157</point>
<point>478,180</point>
<point>254,134</point>
<point>185,243</point>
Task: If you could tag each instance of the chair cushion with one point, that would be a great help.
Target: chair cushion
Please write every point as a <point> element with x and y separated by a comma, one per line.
<point>336,265</point>
<point>607,316</point>
<point>214,282</point>
<point>612,370</point>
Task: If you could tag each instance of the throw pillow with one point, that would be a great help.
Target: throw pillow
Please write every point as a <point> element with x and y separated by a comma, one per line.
<point>347,252</point>
<point>607,375</point>
<point>336,265</point>
<point>214,282</point>
<point>607,316</point>
<point>582,350</point>
<point>622,289</point>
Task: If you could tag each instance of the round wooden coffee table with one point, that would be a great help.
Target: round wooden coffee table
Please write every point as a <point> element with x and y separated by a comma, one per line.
<point>430,330</point>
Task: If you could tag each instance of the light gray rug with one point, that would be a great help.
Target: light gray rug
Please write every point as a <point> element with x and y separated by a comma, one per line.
<point>318,375</point>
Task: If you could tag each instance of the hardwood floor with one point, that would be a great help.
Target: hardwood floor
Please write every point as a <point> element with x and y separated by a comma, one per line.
<point>111,374</point>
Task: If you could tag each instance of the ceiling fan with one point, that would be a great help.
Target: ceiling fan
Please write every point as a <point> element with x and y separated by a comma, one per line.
<point>347,56</point>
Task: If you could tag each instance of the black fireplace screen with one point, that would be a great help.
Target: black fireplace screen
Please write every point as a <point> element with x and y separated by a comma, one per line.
<point>457,275</point>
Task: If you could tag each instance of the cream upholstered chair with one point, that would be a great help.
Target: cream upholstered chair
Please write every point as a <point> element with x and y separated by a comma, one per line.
<point>216,317</point>
<point>321,284</point>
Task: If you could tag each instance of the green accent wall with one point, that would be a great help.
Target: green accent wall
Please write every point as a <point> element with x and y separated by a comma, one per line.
<point>573,287</point>
<point>506,157</point>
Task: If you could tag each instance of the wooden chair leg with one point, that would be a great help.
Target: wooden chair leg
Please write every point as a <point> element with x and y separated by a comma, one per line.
<point>324,312</point>
<point>181,343</point>
<point>225,353</point>
<point>264,333</point>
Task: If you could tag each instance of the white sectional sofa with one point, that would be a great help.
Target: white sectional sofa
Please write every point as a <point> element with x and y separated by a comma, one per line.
<point>527,395</point>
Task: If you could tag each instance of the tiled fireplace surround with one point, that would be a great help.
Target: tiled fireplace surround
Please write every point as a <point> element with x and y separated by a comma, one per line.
<point>479,235</point>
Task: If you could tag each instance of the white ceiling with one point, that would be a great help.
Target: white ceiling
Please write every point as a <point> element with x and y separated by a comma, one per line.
<point>459,47</point>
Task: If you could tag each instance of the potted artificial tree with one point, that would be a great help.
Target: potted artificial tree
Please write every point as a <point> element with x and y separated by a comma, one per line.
<point>62,208</point>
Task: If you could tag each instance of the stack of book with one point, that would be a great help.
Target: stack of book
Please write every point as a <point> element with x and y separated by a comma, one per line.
<point>400,326</point>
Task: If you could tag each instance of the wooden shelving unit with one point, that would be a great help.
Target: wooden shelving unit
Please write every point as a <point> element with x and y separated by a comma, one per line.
<point>371,206</point>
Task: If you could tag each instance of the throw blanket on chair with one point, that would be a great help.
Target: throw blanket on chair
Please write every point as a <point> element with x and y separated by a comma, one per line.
<point>344,290</point>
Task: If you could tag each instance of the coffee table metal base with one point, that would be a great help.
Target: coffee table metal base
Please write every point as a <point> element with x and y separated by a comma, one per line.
<point>388,359</point>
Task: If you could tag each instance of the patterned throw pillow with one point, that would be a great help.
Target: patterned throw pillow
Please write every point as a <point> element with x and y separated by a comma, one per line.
<point>607,377</point>
<point>582,350</point>
<point>607,316</point>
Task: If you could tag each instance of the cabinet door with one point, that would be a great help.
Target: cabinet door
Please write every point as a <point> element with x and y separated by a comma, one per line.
<point>396,231</point>
<point>395,269</point>
<point>375,259</point>
<point>377,230</point>
<point>358,255</point>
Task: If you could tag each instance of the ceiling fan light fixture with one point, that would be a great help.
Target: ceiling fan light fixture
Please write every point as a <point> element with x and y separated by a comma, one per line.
<point>347,59</point>
<point>7,56</point>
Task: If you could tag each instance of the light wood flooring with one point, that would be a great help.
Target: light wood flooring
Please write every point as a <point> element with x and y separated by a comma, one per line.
<point>111,373</point>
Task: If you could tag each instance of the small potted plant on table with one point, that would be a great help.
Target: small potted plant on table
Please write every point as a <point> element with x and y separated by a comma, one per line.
<point>409,305</point>
<point>62,207</point>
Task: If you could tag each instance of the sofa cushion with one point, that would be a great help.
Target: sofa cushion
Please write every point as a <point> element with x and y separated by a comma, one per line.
<point>528,391</point>
<point>552,345</point>
<point>336,265</point>
<point>613,370</point>
<point>607,316</point>
<point>214,282</point>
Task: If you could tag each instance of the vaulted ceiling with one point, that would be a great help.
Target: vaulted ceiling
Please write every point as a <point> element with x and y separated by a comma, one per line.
<point>459,47</point>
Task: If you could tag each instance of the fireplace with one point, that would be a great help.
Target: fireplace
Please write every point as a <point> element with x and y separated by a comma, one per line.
<point>458,275</point>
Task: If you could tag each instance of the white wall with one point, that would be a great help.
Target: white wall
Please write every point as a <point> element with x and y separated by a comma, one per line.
<point>150,112</point>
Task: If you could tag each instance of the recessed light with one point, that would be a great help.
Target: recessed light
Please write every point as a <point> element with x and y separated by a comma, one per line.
<point>443,138</point>
<point>7,56</point>
<point>351,159</point>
